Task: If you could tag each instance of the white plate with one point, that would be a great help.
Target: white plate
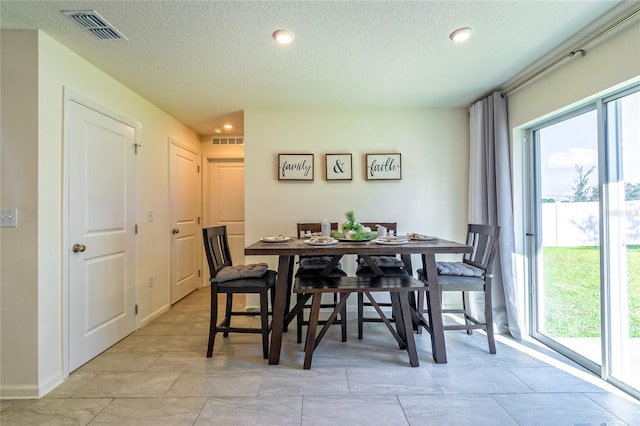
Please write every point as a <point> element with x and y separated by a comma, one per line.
<point>391,242</point>
<point>275,239</point>
<point>421,237</point>
<point>321,243</point>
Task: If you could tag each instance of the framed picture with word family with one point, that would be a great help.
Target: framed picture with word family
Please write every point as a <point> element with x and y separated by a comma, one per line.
<point>338,166</point>
<point>384,166</point>
<point>295,167</point>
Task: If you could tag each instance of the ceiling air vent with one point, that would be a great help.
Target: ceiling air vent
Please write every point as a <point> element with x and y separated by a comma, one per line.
<point>95,24</point>
<point>228,141</point>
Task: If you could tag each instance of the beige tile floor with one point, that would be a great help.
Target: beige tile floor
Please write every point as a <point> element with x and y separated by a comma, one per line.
<point>160,375</point>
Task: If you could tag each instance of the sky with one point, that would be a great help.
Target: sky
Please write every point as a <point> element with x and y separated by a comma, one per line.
<point>574,142</point>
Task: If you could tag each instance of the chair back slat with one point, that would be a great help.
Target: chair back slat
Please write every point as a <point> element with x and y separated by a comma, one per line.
<point>484,240</point>
<point>216,246</point>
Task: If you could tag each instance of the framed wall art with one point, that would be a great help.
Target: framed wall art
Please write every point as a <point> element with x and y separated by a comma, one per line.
<point>339,166</point>
<point>384,166</point>
<point>295,167</point>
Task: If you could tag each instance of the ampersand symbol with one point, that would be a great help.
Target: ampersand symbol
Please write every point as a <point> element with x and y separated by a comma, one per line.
<point>338,167</point>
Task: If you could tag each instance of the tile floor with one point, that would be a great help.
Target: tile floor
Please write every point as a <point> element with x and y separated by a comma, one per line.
<point>159,375</point>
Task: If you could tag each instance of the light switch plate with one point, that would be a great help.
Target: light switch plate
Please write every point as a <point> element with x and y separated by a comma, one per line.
<point>9,218</point>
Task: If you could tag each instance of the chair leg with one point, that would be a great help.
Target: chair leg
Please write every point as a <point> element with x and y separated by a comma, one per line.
<point>420,304</point>
<point>360,314</point>
<point>300,320</point>
<point>488,317</point>
<point>343,319</point>
<point>264,322</point>
<point>227,313</point>
<point>466,310</point>
<point>214,319</point>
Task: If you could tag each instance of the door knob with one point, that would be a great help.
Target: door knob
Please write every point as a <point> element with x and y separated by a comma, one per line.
<point>176,231</point>
<point>79,248</point>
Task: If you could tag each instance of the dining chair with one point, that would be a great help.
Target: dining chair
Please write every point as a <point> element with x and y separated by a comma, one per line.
<point>390,265</point>
<point>230,279</point>
<point>474,273</point>
<point>310,266</point>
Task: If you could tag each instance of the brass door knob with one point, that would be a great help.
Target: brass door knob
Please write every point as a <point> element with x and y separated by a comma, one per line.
<point>79,248</point>
<point>176,231</point>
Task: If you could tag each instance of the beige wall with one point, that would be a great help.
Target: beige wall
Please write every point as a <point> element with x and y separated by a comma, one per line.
<point>18,260</point>
<point>431,198</point>
<point>611,64</point>
<point>32,258</point>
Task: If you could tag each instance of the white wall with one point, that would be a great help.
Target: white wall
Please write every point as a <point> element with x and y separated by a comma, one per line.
<point>573,224</point>
<point>431,198</point>
<point>610,65</point>
<point>41,155</point>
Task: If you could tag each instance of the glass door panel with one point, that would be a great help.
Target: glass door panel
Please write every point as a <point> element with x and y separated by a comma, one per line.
<point>567,289</point>
<point>623,142</point>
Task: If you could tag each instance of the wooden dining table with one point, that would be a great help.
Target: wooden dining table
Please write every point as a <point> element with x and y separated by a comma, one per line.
<point>289,249</point>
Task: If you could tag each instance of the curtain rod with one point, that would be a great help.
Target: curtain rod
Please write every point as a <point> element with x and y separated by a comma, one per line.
<point>580,49</point>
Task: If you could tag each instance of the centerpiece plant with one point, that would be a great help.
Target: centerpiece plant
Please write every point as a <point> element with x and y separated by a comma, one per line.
<point>353,230</point>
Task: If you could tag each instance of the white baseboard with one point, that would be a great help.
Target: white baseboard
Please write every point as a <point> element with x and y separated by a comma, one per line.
<point>146,320</point>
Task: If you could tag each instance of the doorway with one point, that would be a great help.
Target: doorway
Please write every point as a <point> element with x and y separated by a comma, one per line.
<point>186,241</point>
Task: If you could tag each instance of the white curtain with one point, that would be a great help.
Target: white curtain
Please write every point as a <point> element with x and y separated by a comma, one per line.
<point>490,201</point>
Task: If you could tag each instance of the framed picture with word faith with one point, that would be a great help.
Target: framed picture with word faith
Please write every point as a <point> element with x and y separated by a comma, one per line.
<point>384,166</point>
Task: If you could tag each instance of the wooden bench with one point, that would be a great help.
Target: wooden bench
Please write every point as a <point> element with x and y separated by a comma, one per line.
<point>397,286</point>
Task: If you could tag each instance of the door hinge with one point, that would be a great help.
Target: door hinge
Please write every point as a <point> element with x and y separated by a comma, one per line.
<point>198,220</point>
<point>136,309</point>
<point>135,147</point>
<point>199,273</point>
<point>135,229</point>
<point>198,168</point>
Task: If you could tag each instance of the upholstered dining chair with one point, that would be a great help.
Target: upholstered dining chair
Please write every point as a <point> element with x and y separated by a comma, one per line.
<point>309,266</point>
<point>390,265</point>
<point>474,273</point>
<point>230,279</point>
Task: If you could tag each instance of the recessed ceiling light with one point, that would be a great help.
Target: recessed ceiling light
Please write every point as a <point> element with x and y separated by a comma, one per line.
<point>228,126</point>
<point>460,35</point>
<point>217,131</point>
<point>283,36</point>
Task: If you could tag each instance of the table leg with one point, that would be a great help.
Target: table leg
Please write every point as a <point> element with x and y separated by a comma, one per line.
<point>408,328</point>
<point>279,308</point>
<point>397,315</point>
<point>435,309</point>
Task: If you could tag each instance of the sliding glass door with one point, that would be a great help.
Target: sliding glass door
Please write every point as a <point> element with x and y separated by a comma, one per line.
<point>585,236</point>
<point>567,296</point>
<point>623,212</point>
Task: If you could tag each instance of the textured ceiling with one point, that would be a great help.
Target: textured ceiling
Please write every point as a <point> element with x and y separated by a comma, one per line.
<point>204,62</point>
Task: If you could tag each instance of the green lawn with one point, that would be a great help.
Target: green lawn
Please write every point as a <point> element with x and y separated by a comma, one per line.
<point>572,296</point>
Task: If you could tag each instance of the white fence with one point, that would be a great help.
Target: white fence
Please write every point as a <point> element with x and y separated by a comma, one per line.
<point>576,224</point>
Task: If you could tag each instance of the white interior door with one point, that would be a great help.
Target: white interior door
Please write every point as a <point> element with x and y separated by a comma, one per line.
<point>226,202</point>
<point>186,241</point>
<point>101,224</point>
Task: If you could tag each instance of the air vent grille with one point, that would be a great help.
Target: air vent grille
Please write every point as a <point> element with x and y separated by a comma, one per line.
<point>228,141</point>
<point>91,21</point>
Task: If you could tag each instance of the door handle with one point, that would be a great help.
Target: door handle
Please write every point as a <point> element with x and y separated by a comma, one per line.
<point>79,248</point>
<point>175,231</point>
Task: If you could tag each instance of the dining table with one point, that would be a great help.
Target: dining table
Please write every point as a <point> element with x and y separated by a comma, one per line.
<point>287,248</point>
